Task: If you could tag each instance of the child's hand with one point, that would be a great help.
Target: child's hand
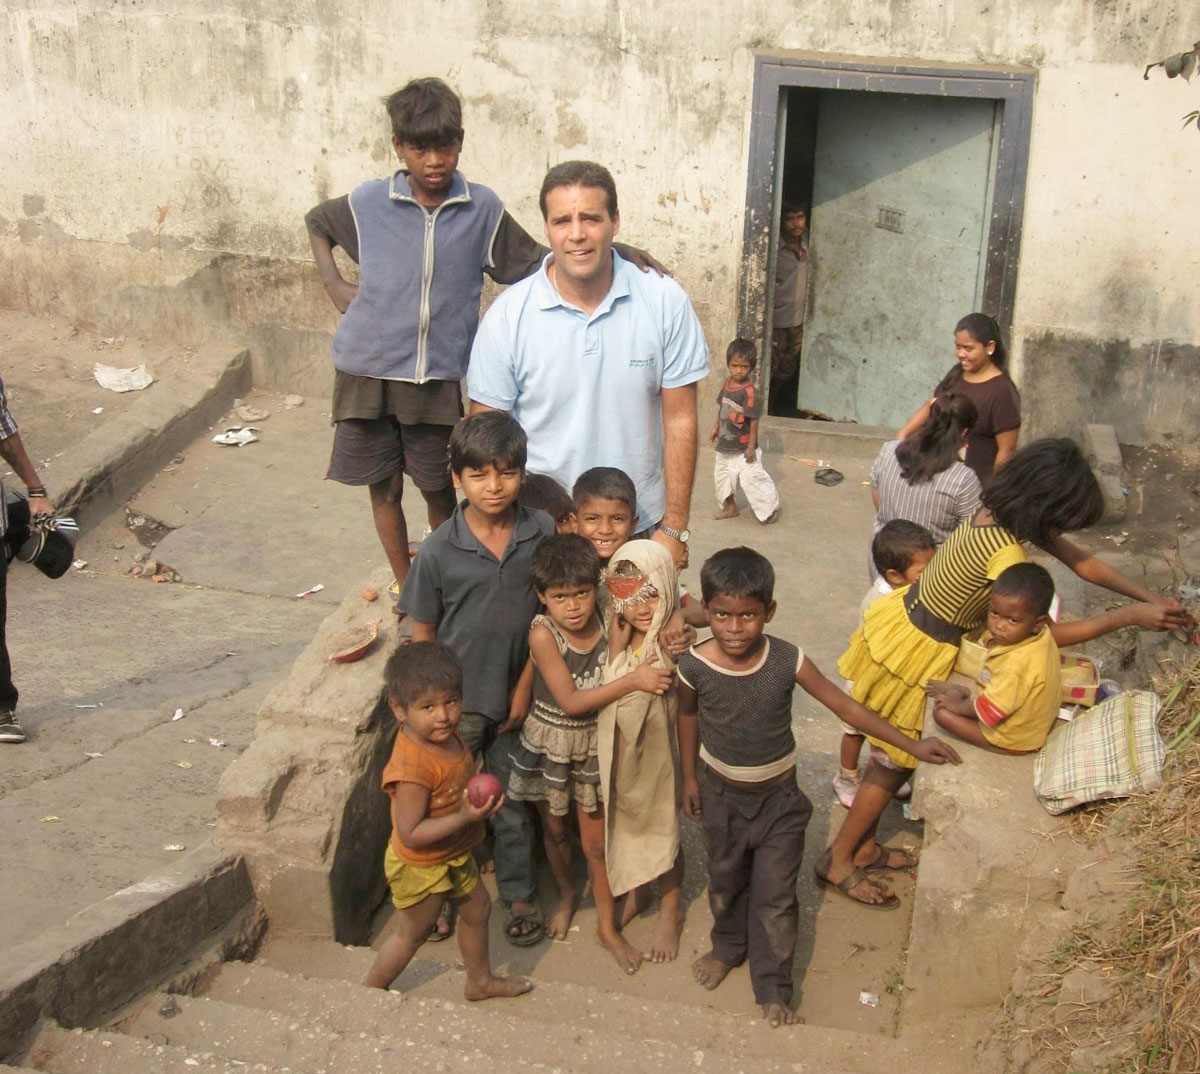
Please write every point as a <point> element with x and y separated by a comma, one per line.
<point>952,691</point>
<point>490,807</point>
<point>619,634</point>
<point>712,437</point>
<point>651,678</point>
<point>935,751</point>
<point>750,453</point>
<point>677,635</point>
<point>691,798</point>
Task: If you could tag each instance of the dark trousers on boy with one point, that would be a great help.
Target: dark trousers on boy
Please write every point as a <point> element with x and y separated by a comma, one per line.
<point>754,836</point>
<point>513,834</point>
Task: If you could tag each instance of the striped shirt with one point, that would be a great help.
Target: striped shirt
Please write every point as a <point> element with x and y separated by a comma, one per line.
<point>938,504</point>
<point>958,581</point>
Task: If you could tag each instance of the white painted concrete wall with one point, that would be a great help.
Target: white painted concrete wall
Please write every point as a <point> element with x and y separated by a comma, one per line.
<point>160,156</point>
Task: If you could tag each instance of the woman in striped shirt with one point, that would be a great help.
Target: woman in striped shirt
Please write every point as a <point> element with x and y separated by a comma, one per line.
<point>922,480</point>
<point>911,636</point>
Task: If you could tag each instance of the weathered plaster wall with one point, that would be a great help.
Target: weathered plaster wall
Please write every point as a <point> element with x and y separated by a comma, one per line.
<point>161,155</point>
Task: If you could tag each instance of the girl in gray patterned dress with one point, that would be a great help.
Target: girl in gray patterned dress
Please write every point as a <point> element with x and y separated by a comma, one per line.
<point>555,763</point>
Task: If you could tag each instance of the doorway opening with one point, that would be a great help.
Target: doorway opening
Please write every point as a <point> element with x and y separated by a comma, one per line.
<point>912,183</point>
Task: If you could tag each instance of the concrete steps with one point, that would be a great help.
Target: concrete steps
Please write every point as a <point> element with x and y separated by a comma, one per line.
<point>257,1017</point>
<point>651,1031</point>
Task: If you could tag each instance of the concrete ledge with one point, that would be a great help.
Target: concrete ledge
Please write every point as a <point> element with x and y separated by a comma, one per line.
<point>994,864</point>
<point>302,805</point>
<point>107,954</point>
<point>828,440</point>
<point>109,465</point>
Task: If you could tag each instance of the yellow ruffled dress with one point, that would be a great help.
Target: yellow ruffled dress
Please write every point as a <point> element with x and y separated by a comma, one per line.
<point>889,660</point>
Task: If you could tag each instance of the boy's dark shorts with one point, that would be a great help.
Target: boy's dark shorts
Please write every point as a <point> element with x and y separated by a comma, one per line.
<point>370,450</point>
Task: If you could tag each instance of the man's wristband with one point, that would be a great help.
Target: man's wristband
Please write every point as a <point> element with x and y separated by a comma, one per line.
<point>36,492</point>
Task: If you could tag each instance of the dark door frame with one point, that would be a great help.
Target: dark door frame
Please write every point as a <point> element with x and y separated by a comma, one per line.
<point>775,72</point>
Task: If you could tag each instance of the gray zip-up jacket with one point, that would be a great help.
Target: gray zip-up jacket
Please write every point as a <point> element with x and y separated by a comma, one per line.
<point>417,307</point>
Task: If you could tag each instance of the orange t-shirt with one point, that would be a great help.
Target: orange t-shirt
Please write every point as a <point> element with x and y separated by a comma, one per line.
<point>445,778</point>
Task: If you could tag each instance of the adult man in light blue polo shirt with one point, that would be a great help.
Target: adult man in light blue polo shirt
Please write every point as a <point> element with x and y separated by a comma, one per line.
<point>598,362</point>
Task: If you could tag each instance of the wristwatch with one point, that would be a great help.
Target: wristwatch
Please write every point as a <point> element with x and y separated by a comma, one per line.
<point>682,536</point>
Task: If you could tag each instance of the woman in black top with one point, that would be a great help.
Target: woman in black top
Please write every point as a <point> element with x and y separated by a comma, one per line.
<point>980,375</point>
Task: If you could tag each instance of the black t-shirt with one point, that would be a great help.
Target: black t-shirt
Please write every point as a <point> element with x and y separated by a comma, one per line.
<point>999,405</point>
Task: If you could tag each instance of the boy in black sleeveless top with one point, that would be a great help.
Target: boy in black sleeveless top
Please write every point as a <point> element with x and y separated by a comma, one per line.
<point>735,714</point>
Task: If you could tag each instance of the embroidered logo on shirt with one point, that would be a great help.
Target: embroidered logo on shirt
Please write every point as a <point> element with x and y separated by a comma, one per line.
<point>640,363</point>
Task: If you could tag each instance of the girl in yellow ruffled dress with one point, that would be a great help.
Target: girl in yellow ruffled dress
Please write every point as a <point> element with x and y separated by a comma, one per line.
<point>911,636</point>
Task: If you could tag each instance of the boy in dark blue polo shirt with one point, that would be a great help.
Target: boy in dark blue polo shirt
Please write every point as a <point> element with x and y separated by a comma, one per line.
<point>470,588</point>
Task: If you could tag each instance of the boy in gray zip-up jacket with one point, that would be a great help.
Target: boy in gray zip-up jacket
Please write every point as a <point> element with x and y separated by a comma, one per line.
<point>423,238</point>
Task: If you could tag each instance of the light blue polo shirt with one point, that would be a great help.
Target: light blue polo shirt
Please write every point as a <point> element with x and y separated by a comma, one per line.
<point>587,389</point>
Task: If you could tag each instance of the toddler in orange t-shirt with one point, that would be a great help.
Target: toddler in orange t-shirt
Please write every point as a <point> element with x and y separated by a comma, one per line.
<point>434,825</point>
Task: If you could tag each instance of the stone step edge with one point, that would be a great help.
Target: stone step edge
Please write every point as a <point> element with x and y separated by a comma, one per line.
<point>354,1008</point>
<point>51,1052</point>
<point>109,465</point>
<point>282,1040</point>
<point>847,1049</point>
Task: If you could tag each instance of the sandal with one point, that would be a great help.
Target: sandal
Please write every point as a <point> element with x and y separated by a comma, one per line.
<point>884,860</point>
<point>848,883</point>
<point>524,928</point>
<point>448,916</point>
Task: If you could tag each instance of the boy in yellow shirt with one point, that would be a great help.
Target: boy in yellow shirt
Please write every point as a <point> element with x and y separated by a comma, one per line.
<point>1020,684</point>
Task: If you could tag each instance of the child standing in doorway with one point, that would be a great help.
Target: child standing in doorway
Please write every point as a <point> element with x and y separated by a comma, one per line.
<point>735,434</point>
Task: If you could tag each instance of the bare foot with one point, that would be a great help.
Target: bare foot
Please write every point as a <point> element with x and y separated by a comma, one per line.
<point>726,512</point>
<point>665,945</point>
<point>628,957</point>
<point>779,1014</point>
<point>497,988</point>
<point>709,970</point>
<point>560,921</point>
<point>772,517</point>
<point>635,902</point>
<point>488,865</point>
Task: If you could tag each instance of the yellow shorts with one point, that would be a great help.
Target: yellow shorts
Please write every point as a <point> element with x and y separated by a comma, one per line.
<point>412,884</point>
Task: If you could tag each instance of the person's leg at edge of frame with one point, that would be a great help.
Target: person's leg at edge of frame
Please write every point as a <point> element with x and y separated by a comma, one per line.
<point>10,729</point>
<point>473,913</point>
<point>390,523</point>
<point>413,925</point>
<point>854,846</point>
<point>774,908</point>
<point>608,933</point>
<point>729,862</point>
<point>513,848</point>
<point>556,839</point>
<point>665,945</point>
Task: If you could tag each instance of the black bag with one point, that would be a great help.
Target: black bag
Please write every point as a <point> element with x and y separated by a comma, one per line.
<point>48,541</point>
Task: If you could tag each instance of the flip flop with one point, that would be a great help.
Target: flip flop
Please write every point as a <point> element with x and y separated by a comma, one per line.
<point>450,916</point>
<point>885,853</point>
<point>530,926</point>
<point>843,887</point>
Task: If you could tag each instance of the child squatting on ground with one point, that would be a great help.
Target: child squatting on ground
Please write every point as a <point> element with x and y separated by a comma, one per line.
<point>434,826</point>
<point>900,551</point>
<point>470,587</point>
<point>556,765</point>
<point>735,434</point>
<point>735,714</point>
<point>1020,684</point>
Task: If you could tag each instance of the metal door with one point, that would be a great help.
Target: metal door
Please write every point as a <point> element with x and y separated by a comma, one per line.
<point>901,204</point>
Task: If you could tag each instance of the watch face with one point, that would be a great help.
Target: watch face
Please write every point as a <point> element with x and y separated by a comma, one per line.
<point>685,536</point>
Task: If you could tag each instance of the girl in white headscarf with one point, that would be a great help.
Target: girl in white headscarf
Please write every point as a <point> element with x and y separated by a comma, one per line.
<point>639,752</point>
